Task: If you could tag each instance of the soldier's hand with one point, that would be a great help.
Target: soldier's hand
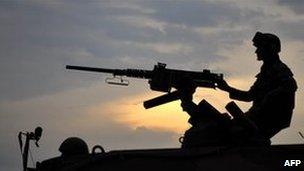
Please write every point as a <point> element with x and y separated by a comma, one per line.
<point>223,85</point>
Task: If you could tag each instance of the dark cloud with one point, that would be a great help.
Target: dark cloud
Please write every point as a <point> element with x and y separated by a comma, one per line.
<point>37,40</point>
<point>290,30</point>
<point>193,13</point>
<point>296,5</point>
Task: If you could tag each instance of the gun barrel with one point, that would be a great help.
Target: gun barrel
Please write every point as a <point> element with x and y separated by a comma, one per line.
<point>91,69</point>
<point>135,73</point>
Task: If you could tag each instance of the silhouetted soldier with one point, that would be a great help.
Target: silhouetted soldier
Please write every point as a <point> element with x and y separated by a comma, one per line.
<point>272,94</point>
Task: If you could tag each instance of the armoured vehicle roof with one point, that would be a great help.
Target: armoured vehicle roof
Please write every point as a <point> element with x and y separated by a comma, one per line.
<point>204,158</point>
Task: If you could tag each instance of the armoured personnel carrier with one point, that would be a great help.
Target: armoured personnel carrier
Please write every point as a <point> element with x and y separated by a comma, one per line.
<point>258,154</point>
<point>76,157</point>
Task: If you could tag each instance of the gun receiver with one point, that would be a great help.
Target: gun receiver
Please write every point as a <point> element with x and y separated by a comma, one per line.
<point>160,79</point>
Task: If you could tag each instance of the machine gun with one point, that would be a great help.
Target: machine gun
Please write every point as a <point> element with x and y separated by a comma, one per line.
<point>160,79</point>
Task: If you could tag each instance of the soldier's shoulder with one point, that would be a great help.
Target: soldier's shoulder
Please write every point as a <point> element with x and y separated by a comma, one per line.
<point>280,69</point>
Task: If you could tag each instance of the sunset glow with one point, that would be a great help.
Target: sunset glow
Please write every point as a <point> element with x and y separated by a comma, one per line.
<point>167,117</point>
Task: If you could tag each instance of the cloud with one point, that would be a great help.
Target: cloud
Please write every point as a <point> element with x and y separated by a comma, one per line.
<point>38,38</point>
<point>35,48</point>
<point>234,55</point>
<point>296,5</point>
<point>290,30</point>
<point>193,13</point>
<point>167,48</point>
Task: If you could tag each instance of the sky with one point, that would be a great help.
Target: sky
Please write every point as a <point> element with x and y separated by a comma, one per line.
<point>40,37</point>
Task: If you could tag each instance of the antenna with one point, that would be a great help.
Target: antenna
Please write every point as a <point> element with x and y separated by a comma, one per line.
<point>28,137</point>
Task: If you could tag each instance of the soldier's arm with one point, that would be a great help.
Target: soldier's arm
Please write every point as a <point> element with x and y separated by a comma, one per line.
<point>235,93</point>
<point>240,95</point>
<point>286,88</point>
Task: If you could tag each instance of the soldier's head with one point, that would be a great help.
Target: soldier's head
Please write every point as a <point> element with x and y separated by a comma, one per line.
<point>268,45</point>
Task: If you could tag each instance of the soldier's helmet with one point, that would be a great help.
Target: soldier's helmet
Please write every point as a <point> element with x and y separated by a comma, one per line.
<point>267,40</point>
<point>73,146</point>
